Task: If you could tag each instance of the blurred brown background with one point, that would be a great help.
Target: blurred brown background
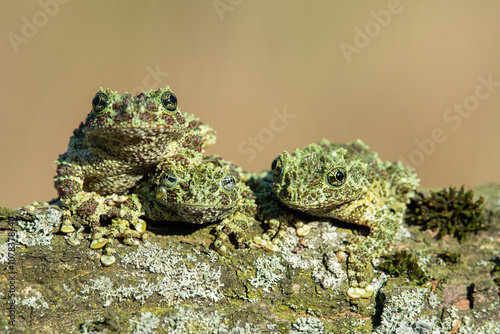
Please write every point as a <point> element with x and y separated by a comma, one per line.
<point>416,80</point>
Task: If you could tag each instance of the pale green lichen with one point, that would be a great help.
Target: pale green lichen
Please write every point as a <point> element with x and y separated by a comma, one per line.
<point>4,252</point>
<point>40,231</point>
<point>408,312</point>
<point>197,320</point>
<point>269,272</point>
<point>179,277</point>
<point>403,313</point>
<point>145,323</point>
<point>308,325</point>
<point>317,256</point>
<point>35,301</point>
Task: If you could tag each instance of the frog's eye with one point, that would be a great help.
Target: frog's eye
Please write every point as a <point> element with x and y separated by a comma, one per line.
<point>169,180</point>
<point>228,183</point>
<point>169,101</point>
<point>100,103</point>
<point>277,167</point>
<point>336,177</point>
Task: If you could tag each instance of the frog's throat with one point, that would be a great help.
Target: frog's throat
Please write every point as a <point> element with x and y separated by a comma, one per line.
<point>194,213</point>
<point>143,145</point>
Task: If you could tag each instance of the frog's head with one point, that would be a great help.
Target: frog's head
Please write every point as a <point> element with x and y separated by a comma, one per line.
<point>135,128</point>
<point>319,178</point>
<point>202,193</point>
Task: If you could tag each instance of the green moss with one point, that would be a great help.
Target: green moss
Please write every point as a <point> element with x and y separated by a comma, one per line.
<point>450,257</point>
<point>401,264</point>
<point>451,211</point>
<point>15,214</point>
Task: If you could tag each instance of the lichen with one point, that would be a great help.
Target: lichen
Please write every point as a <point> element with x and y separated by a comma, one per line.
<point>40,231</point>
<point>145,322</point>
<point>318,255</point>
<point>403,313</point>
<point>4,252</point>
<point>197,320</point>
<point>35,301</point>
<point>179,277</point>
<point>165,284</point>
<point>310,325</point>
<point>269,271</point>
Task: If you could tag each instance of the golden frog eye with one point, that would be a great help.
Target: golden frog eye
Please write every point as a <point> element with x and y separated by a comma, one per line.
<point>169,101</point>
<point>169,180</point>
<point>336,177</point>
<point>228,183</point>
<point>100,103</point>
<point>277,168</point>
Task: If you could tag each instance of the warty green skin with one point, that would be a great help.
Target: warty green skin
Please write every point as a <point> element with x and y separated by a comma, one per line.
<point>211,191</point>
<point>123,138</point>
<point>349,183</point>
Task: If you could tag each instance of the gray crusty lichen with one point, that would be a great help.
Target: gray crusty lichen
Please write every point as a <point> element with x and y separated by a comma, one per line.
<point>175,283</point>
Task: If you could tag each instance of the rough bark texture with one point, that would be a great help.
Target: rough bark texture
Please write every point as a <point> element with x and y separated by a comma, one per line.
<point>175,283</point>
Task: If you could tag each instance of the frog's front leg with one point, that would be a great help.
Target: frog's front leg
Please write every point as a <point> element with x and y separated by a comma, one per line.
<point>363,250</point>
<point>274,236</point>
<point>69,185</point>
<point>236,224</point>
<point>125,223</point>
<point>124,212</point>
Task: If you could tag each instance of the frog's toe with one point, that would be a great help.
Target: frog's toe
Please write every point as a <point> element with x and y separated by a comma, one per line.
<point>139,225</point>
<point>67,224</point>
<point>266,244</point>
<point>108,259</point>
<point>67,228</point>
<point>358,292</point>
<point>130,240</point>
<point>98,243</point>
<point>222,250</point>
<point>75,238</point>
<point>303,230</point>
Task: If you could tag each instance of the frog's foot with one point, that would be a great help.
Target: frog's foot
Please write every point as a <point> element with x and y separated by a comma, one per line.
<point>358,292</point>
<point>236,225</point>
<point>273,237</point>
<point>101,241</point>
<point>302,229</point>
<point>85,208</point>
<point>105,236</point>
<point>358,284</point>
<point>266,244</point>
<point>67,223</point>
<point>75,238</point>
<point>359,273</point>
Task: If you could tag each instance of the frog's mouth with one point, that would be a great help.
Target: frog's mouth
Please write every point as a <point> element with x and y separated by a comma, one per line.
<point>315,209</point>
<point>197,214</point>
<point>141,145</point>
